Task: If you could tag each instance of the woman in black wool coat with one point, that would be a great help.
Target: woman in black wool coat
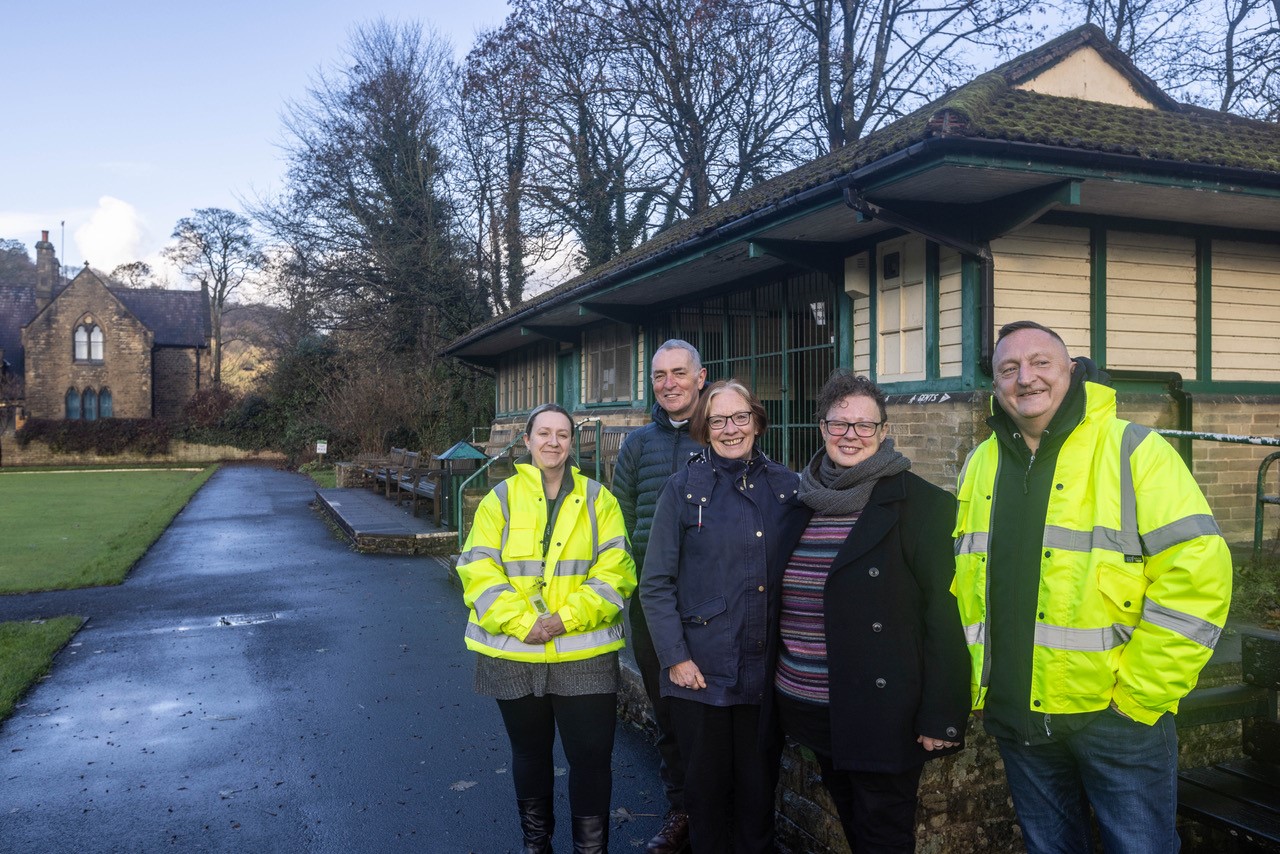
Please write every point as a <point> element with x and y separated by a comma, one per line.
<point>872,672</point>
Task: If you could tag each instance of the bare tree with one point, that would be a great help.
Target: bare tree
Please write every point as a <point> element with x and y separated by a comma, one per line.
<point>710,82</point>
<point>135,274</point>
<point>872,62</point>
<point>497,104</point>
<point>218,249</point>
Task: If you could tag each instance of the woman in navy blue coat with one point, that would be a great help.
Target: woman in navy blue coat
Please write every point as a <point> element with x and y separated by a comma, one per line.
<point>722,533</point>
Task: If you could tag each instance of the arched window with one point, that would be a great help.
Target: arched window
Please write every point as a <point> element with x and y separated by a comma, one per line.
<point>89,403</point>
<point>104,403</point>
<point>73,405</point>
<point>89,342</point>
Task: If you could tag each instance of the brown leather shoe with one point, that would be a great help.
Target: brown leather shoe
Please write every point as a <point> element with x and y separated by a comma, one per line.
<point>674,836</point>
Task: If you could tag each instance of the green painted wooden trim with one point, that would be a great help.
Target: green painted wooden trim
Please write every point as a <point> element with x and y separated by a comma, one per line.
<point>1204,309</point>
<point>1266,389</point>
<point>952,385</point>
<point>1074,219</point>
<point>1098,295</point>
<point>873,312</point>
<point>932,322</point>
<point>971,320</point>
<point>844,329</point>
<point>1070,172</point>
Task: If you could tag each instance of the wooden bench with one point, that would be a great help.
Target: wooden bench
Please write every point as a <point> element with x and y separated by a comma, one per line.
<point>425,485</point>
<point>383,473</point>
<point>611,439</point>
<point>1241,796</point>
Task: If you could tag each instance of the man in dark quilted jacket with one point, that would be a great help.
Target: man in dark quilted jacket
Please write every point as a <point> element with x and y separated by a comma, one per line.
<point>648,457</point>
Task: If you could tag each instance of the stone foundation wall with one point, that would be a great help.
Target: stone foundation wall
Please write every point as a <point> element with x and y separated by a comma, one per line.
<point>39,454</point>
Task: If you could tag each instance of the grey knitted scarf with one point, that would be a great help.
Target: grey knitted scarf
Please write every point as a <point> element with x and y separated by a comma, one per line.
<point>833,490</point>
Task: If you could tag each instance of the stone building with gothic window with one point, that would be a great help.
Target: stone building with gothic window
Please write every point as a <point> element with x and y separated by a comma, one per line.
<point>85,349</point>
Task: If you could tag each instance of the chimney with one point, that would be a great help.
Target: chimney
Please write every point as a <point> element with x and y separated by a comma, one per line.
<point>46,271</point>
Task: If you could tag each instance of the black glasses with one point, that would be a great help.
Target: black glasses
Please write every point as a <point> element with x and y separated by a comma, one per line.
<point>717,422</point>
<point>862,429</point>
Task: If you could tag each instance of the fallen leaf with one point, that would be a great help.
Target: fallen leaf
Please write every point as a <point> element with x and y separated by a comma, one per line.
<point>462,785</point>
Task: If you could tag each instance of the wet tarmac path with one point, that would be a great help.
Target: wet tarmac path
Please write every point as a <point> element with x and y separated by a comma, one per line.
<point>254,685</point>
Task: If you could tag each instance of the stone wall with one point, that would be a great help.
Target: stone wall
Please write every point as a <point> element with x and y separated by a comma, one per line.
<point>179,372</point>
<point>38,454</point>
<point>125,368</point>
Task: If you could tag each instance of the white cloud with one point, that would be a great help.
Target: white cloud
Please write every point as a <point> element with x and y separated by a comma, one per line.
<point>114,233</point>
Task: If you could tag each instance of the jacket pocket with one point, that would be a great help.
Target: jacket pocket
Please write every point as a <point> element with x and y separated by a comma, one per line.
<point>520,542</point>
<point>708,634</point>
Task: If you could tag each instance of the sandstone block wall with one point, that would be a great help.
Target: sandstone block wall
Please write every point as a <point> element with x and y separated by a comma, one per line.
<point>51,368</point>
<point>179,373</point>
<point>39,454</point>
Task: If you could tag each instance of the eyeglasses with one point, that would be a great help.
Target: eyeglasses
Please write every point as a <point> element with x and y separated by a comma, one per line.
<point>717,422</point>
<point>862,429</point>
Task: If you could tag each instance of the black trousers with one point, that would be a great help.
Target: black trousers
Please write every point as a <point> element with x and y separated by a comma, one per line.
<point>877,811</point>
<point>671,762</point>
<point>730,781</point>
<point>586,725</point>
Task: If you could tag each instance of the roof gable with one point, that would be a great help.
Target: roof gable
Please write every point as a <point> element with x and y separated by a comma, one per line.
<point>1087,75</point>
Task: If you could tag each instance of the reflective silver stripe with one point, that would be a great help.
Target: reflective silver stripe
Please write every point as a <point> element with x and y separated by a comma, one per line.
<point>1180,531</point>
<point>485,599</point>
<point>1134,434</point>
<point>501,492</point>
<point>505,643</point>
<point>1201,631</point>
<point>1082,640</point>
<point>593,492</point>
<point>589,640</point>
<point>616,543</point>
<point>975,634</point>
<point>572,567</point>
<point>975,543</point>
<point>476,553</point>
<point>1065,539</point>
<point>523,568</point>
<point>605,591</point>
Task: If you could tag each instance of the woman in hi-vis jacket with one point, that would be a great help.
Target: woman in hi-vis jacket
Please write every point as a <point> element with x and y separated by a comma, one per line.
<point>546,572</point>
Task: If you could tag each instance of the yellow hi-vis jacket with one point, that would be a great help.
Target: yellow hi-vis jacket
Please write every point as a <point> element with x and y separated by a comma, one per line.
<point>1135,577</point>
<point>585,576</point>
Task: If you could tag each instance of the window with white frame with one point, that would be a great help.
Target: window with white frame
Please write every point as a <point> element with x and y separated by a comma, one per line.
<point>88,342</point>
<point>900,308</point>
<point>609,363</point>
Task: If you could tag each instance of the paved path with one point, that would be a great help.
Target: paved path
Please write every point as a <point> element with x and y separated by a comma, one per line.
<point>256,686</point>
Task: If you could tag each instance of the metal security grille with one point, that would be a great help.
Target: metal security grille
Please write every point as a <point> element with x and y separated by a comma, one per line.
<point>780,340</point>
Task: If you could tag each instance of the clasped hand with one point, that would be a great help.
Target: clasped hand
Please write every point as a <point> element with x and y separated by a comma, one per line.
<point>546,628</point>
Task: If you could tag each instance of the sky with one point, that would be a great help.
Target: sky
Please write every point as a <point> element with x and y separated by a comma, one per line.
<point>121,117</point>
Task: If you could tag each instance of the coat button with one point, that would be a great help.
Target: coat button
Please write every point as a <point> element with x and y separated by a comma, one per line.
<point>1035,703</point>
<point>952,732</point>
<point>760,588</point>
<point>873,572</point>
<point>759,533</point>
<point>688,495</point>
<point>880,683</point>
<point>875,627</point>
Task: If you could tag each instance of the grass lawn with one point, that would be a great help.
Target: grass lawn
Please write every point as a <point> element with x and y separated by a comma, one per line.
<point>26,651</point>
<point>84,528</point>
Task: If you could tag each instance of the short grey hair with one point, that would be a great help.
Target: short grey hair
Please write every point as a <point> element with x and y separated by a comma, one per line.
<point>681,344</point>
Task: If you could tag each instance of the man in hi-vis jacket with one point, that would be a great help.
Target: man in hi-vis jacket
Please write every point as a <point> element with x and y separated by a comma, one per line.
<point>1093,584</point>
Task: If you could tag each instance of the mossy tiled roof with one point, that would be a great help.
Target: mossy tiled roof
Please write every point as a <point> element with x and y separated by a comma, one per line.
<point>988,108</point>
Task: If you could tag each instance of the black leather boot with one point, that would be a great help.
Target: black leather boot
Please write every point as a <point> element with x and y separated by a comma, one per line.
<point>538,824</point>
<point>591,834</point>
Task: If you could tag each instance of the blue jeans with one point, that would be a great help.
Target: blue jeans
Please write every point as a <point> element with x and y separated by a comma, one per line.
<point>1125,770</point>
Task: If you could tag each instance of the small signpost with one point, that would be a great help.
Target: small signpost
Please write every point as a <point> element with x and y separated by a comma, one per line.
<point>322,448</point>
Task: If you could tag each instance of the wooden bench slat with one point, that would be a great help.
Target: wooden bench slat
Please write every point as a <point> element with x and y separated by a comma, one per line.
<point>1209,795</point>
